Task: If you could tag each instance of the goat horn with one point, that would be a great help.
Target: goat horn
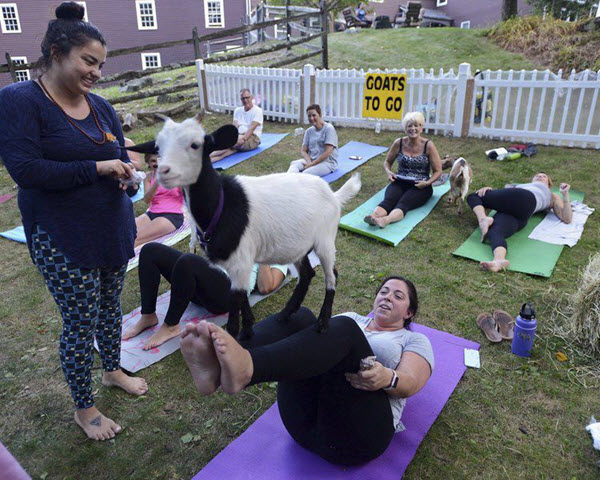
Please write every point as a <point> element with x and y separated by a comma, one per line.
<point>200,115</point>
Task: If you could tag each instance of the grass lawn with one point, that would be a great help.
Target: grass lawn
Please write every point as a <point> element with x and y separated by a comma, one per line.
<point>513,418</point>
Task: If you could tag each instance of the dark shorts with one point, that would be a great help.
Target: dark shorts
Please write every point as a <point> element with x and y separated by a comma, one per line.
<point>175,218</point>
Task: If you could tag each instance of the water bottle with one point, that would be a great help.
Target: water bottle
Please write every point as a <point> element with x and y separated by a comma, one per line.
<point>525,325</point>
<point>298,132</point>
<point>378,127</point>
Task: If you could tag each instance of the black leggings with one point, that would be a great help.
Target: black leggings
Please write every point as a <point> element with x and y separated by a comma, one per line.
<point>318,406</point>
<point>192,278</point>
<point>405,196</point>
<point>514,207</point>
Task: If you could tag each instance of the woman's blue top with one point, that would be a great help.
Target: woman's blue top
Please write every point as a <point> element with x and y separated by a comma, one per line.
<point>89,217</point>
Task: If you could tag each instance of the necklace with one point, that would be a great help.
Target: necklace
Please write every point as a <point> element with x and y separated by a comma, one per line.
<point>105,135</point>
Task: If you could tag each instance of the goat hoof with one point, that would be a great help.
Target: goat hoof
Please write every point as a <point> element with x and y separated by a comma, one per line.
<point>233,330</point>
<point>245,334</point>
<point>322,327</point>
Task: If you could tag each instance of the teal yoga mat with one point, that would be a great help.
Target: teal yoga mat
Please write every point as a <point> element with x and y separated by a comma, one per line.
<point>525,255</point>
<point>394,233</point>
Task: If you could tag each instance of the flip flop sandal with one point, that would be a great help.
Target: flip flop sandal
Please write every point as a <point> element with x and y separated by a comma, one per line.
<point>370,220</point>
<point>505,324</point>
<point>486,322</point>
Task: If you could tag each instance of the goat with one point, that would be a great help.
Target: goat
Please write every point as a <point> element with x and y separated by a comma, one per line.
<point>461,176</point>
<point>277,218</point>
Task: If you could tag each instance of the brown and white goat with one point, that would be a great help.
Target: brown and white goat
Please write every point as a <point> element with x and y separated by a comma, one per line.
<point>461,176</point>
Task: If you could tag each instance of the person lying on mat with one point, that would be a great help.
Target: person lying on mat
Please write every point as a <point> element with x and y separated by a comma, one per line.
<point>411,186</point>
<point>249,121</point>
<point>330,401</point>
<point>319,147</point>
<point>514,206</point>
<point>165,213</point>
<point>193,279</point>
<point>60,143</point>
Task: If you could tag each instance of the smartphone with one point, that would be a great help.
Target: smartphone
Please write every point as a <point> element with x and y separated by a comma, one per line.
<point>355,157</point>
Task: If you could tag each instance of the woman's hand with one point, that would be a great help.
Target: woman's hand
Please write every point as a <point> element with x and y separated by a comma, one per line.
<point>391,176</point>
<point>373,379</point>
<point>564,188</point>
<point>115,168</point>
<point>421,185</point>
<point>482,191</point>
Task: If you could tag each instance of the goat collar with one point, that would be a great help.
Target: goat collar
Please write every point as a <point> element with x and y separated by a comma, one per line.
<point>206,235</point>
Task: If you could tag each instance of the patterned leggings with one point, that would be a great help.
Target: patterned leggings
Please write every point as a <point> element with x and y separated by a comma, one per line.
<point>89,301</point>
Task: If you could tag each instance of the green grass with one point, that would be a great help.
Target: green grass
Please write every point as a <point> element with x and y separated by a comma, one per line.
<point>513,418</point>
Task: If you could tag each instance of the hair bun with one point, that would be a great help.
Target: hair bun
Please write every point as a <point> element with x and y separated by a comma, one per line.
<point>70,11</point>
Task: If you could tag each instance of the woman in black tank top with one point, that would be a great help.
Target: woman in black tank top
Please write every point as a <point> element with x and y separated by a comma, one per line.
<point>411,186</point>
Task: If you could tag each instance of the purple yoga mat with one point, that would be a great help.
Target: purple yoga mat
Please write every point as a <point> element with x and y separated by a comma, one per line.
<point>7,197</point>
<point>9,467</point>
<point>266,451</point>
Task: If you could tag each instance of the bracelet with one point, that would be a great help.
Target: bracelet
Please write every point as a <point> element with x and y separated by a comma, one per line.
<point>394,383</point>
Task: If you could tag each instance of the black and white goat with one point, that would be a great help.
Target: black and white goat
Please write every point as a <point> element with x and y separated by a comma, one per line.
<point>277,218</point>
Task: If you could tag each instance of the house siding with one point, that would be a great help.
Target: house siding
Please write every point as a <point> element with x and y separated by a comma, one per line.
<point>117,20</point>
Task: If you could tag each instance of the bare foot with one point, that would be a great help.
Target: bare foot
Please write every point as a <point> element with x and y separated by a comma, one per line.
<point>95,425</point>
<point>132,385</point>
<point>199,354</point>
<point>236,362</point>
<point>484,226</point>
<point>146,321</point>
<point>380,222</point>
<point>165,332</point>
<point>495,265</point>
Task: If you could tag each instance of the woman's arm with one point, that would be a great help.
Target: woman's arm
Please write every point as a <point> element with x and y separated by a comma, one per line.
<point>268,279</point>
<point>389,159</point>
<point>149,190</point>
<point>321,158</point>
<point>436,166</point>
<point>304,153</point>
<point>562,206</point>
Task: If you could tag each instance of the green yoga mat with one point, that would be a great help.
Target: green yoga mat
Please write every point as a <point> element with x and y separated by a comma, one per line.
<point>394,233</point>
<point>525,255</point>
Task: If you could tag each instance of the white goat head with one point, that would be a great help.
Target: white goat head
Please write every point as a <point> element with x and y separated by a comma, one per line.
<point>183,147</point>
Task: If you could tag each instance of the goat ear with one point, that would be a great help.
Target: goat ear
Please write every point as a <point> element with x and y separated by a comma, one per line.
<point>200,116</point>
<point>164,118</point>
<point>147,147</point>
<point>221,139</point>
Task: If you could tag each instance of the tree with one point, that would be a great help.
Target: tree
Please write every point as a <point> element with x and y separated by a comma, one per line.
<point>509,9</point>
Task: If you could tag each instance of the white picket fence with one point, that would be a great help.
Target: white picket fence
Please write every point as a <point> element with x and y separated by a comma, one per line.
<point>539,107</point>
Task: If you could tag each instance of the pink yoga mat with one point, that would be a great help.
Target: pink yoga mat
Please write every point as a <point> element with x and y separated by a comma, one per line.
<point>266,451</point>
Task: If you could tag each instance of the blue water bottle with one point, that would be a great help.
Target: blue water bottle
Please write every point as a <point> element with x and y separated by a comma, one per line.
<point>525,326</point>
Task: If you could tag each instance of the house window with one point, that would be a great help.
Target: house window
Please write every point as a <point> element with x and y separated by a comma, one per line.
<point>146,14</point>
<point>213,14</point>
<point>441,3</point>
<point>9,18</point>
<point>466,24</point>
<point>150,60</point>
<point>22,75</point>
<point>85,15</point>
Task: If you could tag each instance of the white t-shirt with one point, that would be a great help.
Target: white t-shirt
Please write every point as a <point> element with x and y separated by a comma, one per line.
<point>245,118</point>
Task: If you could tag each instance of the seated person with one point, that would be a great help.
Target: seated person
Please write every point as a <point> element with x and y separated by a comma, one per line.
<point>411,186</point>
<point>249,122</point>
<point>328,404</point>
<point>514,206</point>
<point>136,158</point>
<point>193,279</point>
<point>165,214</point>
<point>319,147</point>
<point>361,13</point>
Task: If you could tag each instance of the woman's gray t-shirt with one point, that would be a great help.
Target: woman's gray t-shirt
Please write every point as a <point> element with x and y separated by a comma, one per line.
<point>389,347</point>
<point>316,140</point>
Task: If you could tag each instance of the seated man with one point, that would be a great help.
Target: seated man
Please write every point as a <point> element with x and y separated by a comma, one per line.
<point>249,122</point>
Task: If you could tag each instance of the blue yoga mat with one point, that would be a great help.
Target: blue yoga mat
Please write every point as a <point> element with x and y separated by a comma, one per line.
<point>345,164</point>
<point>267,140</point>
<point>139,194</point>
<point>17,234</point>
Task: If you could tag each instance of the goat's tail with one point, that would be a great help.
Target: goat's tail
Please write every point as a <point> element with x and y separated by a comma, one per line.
<point>348,189</point>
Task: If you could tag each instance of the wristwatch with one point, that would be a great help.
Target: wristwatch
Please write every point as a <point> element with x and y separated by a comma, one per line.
<point>394,383</point>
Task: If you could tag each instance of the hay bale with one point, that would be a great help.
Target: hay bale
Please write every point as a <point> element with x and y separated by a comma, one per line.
<point>585,308</point>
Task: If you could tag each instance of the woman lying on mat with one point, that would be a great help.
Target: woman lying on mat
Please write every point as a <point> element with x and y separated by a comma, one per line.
<point>165,214</point>
<point>411,186</point>
<point>319,147</point>
<point>192,279</point>
<point>514,206</point>
<point>333,399</point>
<point>60,143</point>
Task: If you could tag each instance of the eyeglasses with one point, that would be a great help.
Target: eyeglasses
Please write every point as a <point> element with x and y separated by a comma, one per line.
<point>245,98</point>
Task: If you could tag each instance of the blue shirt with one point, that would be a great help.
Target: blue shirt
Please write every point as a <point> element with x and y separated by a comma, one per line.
<point>88,217</point>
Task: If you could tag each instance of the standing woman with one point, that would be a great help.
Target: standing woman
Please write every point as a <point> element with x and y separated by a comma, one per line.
<point>419,165</point>
<point>60,143</point>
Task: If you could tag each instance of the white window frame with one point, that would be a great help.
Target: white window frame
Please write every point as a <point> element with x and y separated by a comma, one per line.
<point>145,57</point>
<point>26,73</point>
<point>85,14</point>
<point>441,3</point>
<point>465,24</point>
<point>3,20</point>
<point>207,24</point>
<point>138,11</point>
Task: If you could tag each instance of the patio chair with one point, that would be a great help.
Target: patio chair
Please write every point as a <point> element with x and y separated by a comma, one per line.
<point>409,15</point>
<point>353,21</point>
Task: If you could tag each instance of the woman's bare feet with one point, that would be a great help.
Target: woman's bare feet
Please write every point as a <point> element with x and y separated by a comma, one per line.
<point>235,361</point>
<point>165,332</point>
<point>199,354</point>
<point>484,226</point>
<point>494,265</point>
<point>95,425</point>
<point>146,321</point>
<point>132,385</point>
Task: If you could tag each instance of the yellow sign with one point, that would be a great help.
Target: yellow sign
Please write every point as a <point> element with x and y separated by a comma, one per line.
<point>384,95</point>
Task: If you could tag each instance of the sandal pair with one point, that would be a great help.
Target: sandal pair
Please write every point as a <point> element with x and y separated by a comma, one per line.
<point>496,327</point>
